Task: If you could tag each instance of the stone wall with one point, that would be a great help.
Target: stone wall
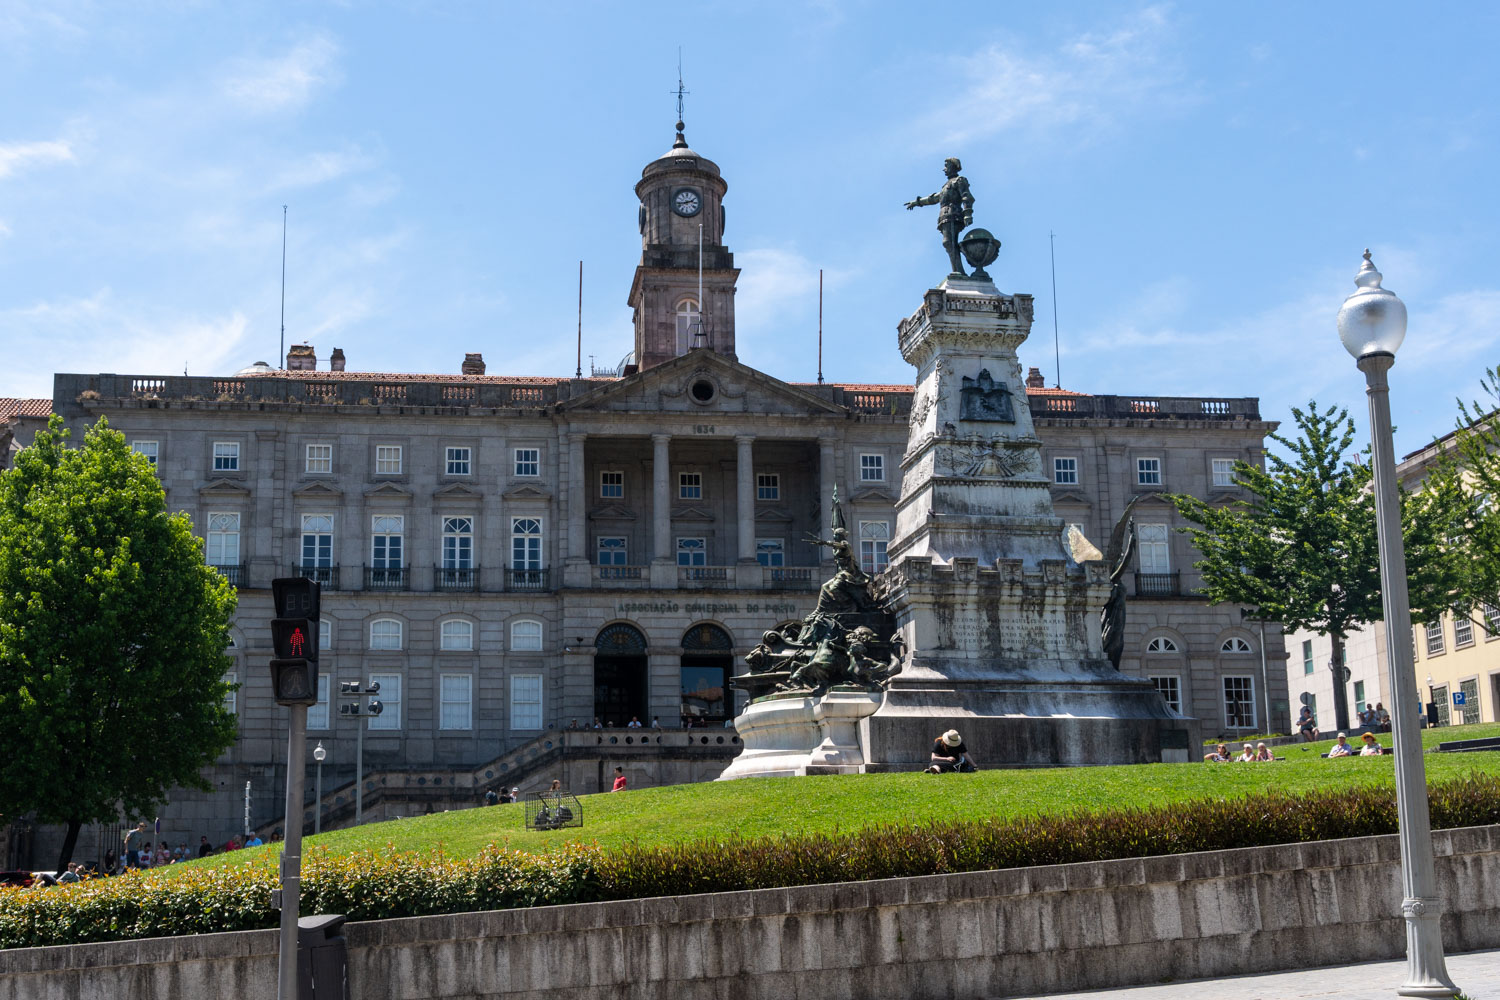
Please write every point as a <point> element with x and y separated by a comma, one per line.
<point>985,934</point>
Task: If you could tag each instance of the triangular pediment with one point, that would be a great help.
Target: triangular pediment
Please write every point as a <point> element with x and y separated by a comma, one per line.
<point>526,492</point>
<point>737,388</point>
<point>612,512</point>
<point>387,491</point>
<point>223,489</point>
<point>691,514</point>
<point>1153,497</point>
<point>772,515</point>
<point>317,490</point>
<point>457,491</point>
<point>873,494</point>
<point>1071,496</point>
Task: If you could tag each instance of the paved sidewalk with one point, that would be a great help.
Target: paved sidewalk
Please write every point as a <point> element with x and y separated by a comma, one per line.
<point>1477,974</point>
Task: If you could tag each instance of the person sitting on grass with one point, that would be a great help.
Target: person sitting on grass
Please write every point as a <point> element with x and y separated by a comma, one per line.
<point>1382,718</point>
<point>1372,747</point>
<point>950,755</point>
<point>1307,725</point>
<point>1263,752</point>
<point>1219,755</point>
<point>1341,748</point>
<point>1246,755</point>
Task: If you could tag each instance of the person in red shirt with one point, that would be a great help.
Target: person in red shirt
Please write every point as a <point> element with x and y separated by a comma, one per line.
<point>619,780</point>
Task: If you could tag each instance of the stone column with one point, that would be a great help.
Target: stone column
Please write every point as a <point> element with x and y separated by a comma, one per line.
<point>663,569</point>
<point>747,572</point>
<point>574,489</point>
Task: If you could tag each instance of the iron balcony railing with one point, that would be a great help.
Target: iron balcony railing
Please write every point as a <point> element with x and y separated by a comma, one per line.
<point>236,574</point>
<point>1149,585</point>
<point>387,578</point>
<point>453,578</point>
<point>524,580</point>
<point>323,576</point>
<point>621,572</point>
<point>791,577</point>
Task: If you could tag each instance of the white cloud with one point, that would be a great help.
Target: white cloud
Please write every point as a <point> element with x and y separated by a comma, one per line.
<point>16,155</point>
<point>1088,81</point>
<point>285,82</point>
<point>316,168</point>
<point>4,229</point>
<point>772,283</point>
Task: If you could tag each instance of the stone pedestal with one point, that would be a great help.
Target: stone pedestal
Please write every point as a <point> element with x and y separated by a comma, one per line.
<point>796,734</point>
<point>1002,624</point>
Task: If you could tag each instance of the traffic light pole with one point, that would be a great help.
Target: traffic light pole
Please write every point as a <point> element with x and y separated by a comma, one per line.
<point>359,768</point>
<point>291,852</point>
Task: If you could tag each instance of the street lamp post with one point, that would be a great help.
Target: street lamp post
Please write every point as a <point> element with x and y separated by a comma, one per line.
<point>318,755</point>
<point>1372,324</point>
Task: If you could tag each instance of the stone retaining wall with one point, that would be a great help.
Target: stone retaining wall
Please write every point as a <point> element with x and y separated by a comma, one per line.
<point>1018,932</point>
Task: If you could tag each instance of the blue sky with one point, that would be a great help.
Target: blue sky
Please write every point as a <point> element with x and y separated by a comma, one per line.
<point>1212,172</point>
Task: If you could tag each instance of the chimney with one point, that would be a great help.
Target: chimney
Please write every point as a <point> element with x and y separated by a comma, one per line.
<point>336,360</point>
<point>473,364</point>
<point>301,358</point>
<point>1034,379</point>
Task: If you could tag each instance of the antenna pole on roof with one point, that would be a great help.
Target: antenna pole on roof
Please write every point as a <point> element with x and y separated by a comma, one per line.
<point>281,357</point>
<point>1056,350</point>
<point>580,320</point>
<point>702,312</point>
<point>820,326</point>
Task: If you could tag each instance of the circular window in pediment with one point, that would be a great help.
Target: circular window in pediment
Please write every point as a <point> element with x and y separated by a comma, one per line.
<point>702,391</point>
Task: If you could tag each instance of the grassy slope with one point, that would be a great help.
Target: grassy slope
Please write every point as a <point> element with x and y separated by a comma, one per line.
<point>771,806</point>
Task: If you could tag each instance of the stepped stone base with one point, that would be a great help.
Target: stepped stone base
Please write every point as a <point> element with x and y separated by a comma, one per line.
<point>794,734</point>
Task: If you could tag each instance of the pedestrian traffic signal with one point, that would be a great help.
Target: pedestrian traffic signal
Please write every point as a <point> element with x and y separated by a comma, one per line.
<point>294,638</point>
<point>294,681</point>
<point>294,641</point>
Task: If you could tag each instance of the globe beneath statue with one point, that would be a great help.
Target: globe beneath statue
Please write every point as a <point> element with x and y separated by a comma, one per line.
<point>980,249</point>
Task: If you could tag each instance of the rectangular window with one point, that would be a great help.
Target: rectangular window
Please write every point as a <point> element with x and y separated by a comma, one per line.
<point>768,487</point>
<point>770,551</point>
<point>1312,706</point>
<point>692,552</point>
<point>1239,702</point>
<point>1463,631</point>
<point>223,540</point>
<point>1065,471</point>
<point>874,536</point>
<point>317,540</point>
<point>1440,699</point>
<point>319,458</point>
<point>457,635</point>
<point>1434,638</point>
<point>388,460</point>
<point>455,701</point>
<point>231,698</point>
<point>317,715</point>
<point>458,543</point>
<point>1359,696</point>
<point>226,456</point>
<point>1155,551</point>
<point>385,540</point>
<point>1470,709</point>
<point>148,448</point>
<point>385,633</point>
<point>872,468</point>
<point>1491,622</point>
<point>325,634</point>
<point>612,485</point>
<point>526,543</point>
<point>1223,472</point>
<point>526,636</point>
<point>1307,656</point>
<point>612,551</point>
<point>390,701</point>
<point>528,461</point>
<point>1148,472</point>
<point>457,461</point>
<point>526,701</point>
<point>1170,687</point>
<point>690,486</point>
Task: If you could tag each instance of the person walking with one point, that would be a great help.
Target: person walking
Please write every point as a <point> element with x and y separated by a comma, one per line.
<point>619,780</point>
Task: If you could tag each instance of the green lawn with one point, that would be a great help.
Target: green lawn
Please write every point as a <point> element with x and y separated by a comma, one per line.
<point>771,806</point>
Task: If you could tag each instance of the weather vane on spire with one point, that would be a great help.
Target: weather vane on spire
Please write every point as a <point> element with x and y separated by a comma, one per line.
<point>681,92</point>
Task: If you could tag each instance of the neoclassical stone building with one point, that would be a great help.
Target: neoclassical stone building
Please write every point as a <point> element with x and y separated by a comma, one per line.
<point>505,554</point>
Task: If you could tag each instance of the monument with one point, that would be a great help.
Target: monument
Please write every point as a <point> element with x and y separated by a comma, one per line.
<point>1007,626</point>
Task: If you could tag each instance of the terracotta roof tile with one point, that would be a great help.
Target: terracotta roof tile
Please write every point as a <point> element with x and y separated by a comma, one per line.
<point>1053,392</point>
<point>24,408</point>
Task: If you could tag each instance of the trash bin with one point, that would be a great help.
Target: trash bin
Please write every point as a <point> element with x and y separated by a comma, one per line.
<point>322,958</point>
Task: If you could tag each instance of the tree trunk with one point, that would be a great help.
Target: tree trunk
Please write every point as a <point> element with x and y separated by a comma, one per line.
<point>69,842</point>
<point>1340,692</point>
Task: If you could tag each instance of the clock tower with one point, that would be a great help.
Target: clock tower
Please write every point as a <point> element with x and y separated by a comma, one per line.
<point>683,292</point>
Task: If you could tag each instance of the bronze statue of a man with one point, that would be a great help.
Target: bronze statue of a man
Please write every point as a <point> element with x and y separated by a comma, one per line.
<point>955,211</point>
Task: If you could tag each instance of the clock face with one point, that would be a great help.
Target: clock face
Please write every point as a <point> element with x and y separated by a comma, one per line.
<point>686,202</point>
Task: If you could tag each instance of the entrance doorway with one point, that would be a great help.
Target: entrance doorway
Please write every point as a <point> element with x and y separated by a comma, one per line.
<point>707,661</point>
<point>621,689</point>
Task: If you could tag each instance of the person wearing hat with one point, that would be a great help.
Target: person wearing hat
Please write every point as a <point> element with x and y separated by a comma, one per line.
<point>950,754</point>
<point>1372,747</point>
<point>1342,747</point>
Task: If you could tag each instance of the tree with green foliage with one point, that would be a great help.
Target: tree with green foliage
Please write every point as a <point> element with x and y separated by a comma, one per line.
<point>112,636</point>
<point>1474,472</point>
<point>1303,549</point>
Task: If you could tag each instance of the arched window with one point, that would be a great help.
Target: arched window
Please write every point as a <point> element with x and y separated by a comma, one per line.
<point>457,634</point>
<point>1234,644</point>
<point>325,634</point>
<point>526,636</point>
<point>708,639</point>
<point>385,633</point>
<point>689,323</point>
<point>620,639</point>
<point>1161,644</point>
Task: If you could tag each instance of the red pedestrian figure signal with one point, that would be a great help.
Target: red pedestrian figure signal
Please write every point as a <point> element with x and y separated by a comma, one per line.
<point>298,642</point>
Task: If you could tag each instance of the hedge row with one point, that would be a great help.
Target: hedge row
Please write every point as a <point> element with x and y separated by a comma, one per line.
<point>370,885</point>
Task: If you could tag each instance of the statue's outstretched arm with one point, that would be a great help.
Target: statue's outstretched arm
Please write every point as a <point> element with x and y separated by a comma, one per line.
<point>930,199</point>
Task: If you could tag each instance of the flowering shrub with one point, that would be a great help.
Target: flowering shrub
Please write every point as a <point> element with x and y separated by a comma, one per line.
<point>370,885</point>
